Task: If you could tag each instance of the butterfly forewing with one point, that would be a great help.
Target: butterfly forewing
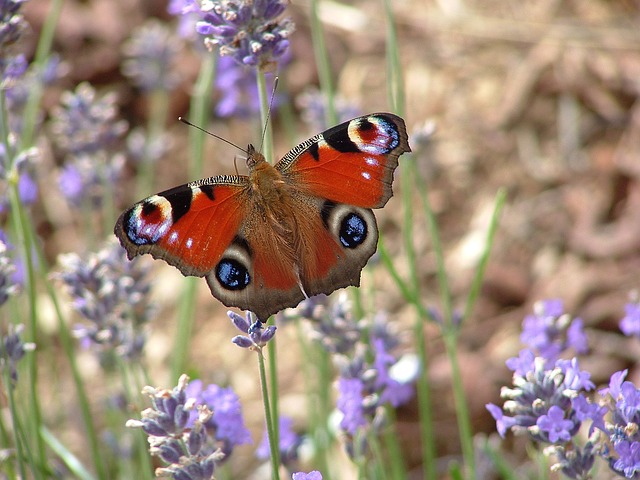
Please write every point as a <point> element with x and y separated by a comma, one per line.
<point>350,163</point>
<point>188,226</point>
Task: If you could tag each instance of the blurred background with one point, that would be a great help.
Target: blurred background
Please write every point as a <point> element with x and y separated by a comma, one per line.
<point>537,97</point>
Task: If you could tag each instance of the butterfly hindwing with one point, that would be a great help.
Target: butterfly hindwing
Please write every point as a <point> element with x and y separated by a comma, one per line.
<point>351,163</point>
<point>187,226</point>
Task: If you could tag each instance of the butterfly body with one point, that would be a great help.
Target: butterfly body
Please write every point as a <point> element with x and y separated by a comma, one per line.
<point>268,240</point>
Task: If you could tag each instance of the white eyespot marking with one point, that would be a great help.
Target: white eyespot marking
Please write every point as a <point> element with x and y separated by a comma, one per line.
<point>189,242</point>
<point>372,161</point>
<point>366,175</point>
<point>173,237</point>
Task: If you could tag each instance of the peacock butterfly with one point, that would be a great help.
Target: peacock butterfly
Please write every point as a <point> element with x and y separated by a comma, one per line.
<point>268,240</point>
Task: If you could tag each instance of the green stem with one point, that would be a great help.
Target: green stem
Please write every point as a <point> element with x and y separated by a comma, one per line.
<point>322,64</point>
<point>158,108</point>
<point>42,52</point>
<point>274,446</point>
<point>263,94</point>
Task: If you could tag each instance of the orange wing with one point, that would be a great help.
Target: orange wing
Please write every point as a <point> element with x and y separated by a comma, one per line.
<point>351,163</point>
<point>189,226</point>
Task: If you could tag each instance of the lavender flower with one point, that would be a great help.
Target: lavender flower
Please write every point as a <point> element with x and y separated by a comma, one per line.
<point>85,128</point>
<point>289,440</point>
<point>150,54</point>
<point>332,325</point>
<point>238,90</point>
<point>187,13</point>
<point>248,31</point>
<point>18,167</point>
<point>256,335</point>
<point>314,475</point>
<point>85,123</point>
<point>112,293</point>
<point>630,324</point>
<point>312,103</point>
<point>12,349</point>
<point>575,462</point>
<point>621,400</point>
<point>542,402</point>
<point>183,443</point>
<point>8,286</point>
<point>226,424</point>
<point>549,331</point>
<point>12,25</point>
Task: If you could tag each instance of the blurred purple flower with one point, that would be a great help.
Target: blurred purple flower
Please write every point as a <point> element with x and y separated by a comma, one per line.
<point>12,349</point>
<point>150,56</point>
<point>112,293</point>
<point>289,442</point>
<point>226,424</point>
<point>549,331</point>
<point>312,103</point>
<point>86,123</point>
<point>12,24</point>
<point>8,286</point>
<point>187,13</point>
<point>27,189</point>
<point>349,403</point>
<point>314,475</point>
<point>85,128</point>
<point>11,70</point>
<point>630,324</point>
<point>71,183</point>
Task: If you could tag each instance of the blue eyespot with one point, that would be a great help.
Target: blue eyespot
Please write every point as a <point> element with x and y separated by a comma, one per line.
<point>353,230</point>
<point>232,275</point>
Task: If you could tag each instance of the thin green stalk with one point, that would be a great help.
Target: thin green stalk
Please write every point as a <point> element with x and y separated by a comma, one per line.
<point>26,241</point>
<point>322,64</point>
<point>23,452</point>
<point>42,52</point>
<point>158,108</point>
<point>317,377</point>
<point>274,446</point>
<point>392,447</point>
<point>474,291</point>
<point>68,346</point>
<point>425,404</point>
<point>263,95</point>
<point>70,460</point>
<point>200,114</point>
<point>463,418</point>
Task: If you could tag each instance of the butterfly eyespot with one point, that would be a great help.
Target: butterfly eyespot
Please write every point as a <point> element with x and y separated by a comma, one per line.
<point>232,274</point>
<point>351,226</point>
<point>353,230</point>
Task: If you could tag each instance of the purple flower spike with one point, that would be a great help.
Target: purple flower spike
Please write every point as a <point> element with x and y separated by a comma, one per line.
<point>555,425</point>
<point>314,475</point>
<point>256,335</point>
<point>630,324</point>
<point>250,32</point>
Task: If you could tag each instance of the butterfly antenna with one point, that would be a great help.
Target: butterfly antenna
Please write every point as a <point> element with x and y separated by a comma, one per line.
<point>187,122</point>
<point>266,123</point>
